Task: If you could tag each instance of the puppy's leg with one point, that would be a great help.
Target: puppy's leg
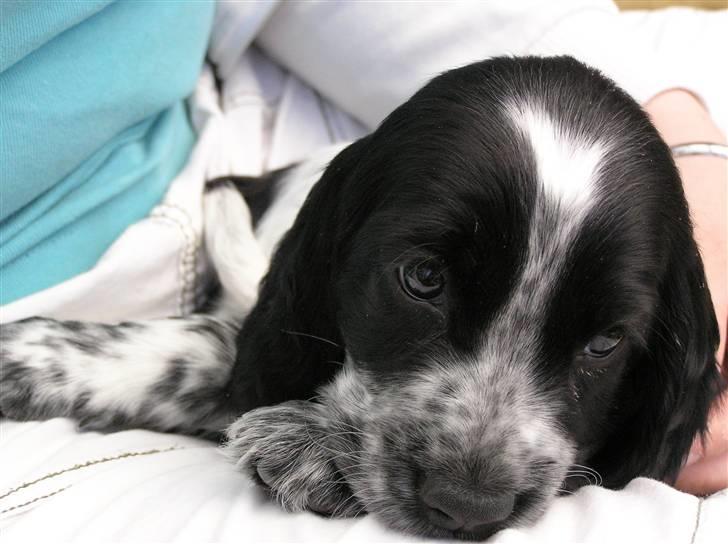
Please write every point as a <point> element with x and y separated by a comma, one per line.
<point>287,448</point>
<point>166,374</point>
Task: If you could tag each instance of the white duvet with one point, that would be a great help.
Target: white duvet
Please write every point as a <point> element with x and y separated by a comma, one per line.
<point>171,488</point>
<point>59,485</point>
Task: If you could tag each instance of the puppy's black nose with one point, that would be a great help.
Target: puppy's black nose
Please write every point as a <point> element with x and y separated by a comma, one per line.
<point>453,508</point>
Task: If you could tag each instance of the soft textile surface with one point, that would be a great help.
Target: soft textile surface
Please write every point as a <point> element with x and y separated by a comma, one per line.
<point>93,127</point>
<point>193,494</point>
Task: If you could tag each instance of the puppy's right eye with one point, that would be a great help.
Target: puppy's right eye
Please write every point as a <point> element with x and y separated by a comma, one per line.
<point>424,280</point>
<point>603,345</point>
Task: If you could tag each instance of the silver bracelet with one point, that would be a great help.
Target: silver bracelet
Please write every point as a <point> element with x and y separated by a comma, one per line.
<point>700,148</point>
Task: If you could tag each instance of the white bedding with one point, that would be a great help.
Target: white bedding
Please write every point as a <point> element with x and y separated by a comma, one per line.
<point>191,493</point>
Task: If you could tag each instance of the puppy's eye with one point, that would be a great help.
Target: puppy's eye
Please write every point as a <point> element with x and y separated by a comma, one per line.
<point>422,281</point>
<point>604,344</point>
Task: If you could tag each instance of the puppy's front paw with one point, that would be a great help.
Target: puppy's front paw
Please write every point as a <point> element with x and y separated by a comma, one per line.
<point>285,448</point>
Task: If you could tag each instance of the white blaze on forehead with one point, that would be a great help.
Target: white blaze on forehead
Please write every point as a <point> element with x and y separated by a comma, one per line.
<point>567,163</point>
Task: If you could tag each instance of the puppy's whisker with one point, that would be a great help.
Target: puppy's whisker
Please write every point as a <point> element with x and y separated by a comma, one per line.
<point>584,475</point>
<point>364,508</point>
<point>307,335</point>
<point>348,501</point>
<point>405,253</point>
<point>596,474</point>
<point>587,470</point>
<point>317,442</point>
<point>567,491</point>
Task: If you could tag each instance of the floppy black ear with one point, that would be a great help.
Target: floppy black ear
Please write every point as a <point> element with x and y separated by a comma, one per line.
<point>290,343</point>
<point>668,392</point>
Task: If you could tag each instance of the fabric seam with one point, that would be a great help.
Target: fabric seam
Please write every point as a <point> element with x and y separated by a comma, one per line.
<point>697,520</point>
<point>187,262</point>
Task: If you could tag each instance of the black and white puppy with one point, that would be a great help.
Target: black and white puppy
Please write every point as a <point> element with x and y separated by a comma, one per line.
<point>489,299</point>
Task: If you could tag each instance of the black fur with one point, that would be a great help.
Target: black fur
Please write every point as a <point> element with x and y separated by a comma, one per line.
<point>278,361</point>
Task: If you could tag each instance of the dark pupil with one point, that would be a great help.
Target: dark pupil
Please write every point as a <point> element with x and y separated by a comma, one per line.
<point>426,276</point>
<point>423,281</point>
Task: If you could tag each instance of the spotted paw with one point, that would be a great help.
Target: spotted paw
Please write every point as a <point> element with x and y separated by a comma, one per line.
<point>284,448</point>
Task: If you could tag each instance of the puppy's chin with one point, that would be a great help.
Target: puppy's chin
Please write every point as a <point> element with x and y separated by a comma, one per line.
<point>435,460</point>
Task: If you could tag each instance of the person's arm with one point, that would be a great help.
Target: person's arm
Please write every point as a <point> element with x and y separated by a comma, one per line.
<point>681,118</point>
<point>368,61</point>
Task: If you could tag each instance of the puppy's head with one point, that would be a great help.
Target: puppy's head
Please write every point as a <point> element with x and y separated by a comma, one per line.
<point>508,269</point>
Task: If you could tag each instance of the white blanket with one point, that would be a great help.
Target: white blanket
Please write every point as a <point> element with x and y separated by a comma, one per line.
<point>180,489</point>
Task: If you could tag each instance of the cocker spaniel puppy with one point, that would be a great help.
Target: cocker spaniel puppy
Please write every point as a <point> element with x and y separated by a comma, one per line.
<point>490,298</point>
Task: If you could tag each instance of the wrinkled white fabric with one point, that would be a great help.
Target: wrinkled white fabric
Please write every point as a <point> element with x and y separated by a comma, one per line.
<point>688,48</point>
<point>368,61</point>
<point>193,494</point>
<point>340,68</point>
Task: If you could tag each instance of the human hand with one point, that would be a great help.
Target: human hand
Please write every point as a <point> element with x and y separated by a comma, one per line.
<point>681,118</point>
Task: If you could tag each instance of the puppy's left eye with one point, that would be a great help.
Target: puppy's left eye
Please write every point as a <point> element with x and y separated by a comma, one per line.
<point>424,280</point>
<point>603,345</point>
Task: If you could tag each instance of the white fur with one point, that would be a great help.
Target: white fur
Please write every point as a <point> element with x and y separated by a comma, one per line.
<point>293,189</point>
<point>568,167</point>
<point>567,163</point>
<point>235,253</point>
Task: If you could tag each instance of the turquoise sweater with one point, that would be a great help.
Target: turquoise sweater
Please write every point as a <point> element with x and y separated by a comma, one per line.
<point>93,126</point>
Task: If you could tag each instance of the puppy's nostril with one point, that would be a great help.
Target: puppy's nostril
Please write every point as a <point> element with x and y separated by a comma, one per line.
<point>453,508</point>
<point>441,518</point>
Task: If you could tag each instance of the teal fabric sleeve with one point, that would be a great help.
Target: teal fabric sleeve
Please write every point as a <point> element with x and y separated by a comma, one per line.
<point>93,126</point>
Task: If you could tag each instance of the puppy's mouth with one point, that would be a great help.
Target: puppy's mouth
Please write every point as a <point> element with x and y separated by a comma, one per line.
<point>416,500</point>
<point>452,467</point>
